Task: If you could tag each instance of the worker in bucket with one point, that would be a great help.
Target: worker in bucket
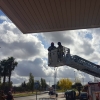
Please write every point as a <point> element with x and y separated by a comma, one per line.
<point>60,51</point>
<point>52,47</point>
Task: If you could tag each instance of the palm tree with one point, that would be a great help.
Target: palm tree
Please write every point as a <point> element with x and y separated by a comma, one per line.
<point>1,70</point>
<point>4,70</point>
<point>8,65</point>
<point>11,66</point>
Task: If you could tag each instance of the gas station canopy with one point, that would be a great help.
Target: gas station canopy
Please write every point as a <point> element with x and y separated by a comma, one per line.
<point>32,16</point>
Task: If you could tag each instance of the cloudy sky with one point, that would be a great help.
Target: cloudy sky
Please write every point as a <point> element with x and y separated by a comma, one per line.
<point>30,51</point>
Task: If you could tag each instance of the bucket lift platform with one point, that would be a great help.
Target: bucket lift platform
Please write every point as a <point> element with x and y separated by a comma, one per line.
<point>56,59</point>
<point>73,61</point>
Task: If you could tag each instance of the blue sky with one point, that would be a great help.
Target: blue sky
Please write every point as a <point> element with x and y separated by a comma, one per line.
<point>1,13</point>
<point>30,51</point>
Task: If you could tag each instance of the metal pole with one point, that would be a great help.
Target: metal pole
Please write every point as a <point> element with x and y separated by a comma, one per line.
<point>54,79</point>
<point>36,94</point>
<point>75,76</point>
<point>83,78</point>
<point>56,83</point>
<point>49,83</point>
<point>55,75</point>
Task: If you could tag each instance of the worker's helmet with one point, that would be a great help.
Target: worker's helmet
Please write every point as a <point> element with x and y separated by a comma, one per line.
<point>52,44</point>
<point>59,43</point>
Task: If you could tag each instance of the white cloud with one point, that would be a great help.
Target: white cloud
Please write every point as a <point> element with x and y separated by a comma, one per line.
<point>2,17</point>
<point>31,54</point>
<point>21,46</point>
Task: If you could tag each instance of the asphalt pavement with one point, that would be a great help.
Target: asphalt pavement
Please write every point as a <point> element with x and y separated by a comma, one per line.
<point>42,97</point>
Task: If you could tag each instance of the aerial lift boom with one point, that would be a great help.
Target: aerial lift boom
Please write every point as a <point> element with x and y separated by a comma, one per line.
<point>73,61</point>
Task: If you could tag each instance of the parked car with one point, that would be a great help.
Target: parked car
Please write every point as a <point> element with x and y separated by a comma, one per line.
<point>70,94</point>
<point>83,96</point>
<point>53,93</point>
<point>68,91</point>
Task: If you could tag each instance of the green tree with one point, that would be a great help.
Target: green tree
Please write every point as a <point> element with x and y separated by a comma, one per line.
<point>31,82</point>
<point>43,84</point>
<point>78,86</point>
<point>58,87</point>
<point>1,70</point>
<point>5,70</point>
<point>24,86</point>
<point>65,83</point>
<point>11,64</point>
<point>7,66</point>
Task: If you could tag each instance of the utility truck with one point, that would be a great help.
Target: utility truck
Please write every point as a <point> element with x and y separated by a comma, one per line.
<point>78,63</point>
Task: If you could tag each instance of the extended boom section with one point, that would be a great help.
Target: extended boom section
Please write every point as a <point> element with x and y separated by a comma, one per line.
<point>84,65</point>
<point>74,61</point>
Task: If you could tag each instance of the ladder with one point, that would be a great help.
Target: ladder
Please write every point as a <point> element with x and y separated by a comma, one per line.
<point>82,64</point>
<point>73,61</point>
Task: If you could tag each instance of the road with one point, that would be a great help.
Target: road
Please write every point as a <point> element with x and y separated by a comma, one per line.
<point>38,96</point>
<point>33,97</point>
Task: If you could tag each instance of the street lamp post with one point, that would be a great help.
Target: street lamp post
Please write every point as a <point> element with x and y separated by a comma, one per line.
<point>83,78</point>
<point>75,76</point>
<point>55,75</point>
<point>49,83</point>
<point>54,79</point>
